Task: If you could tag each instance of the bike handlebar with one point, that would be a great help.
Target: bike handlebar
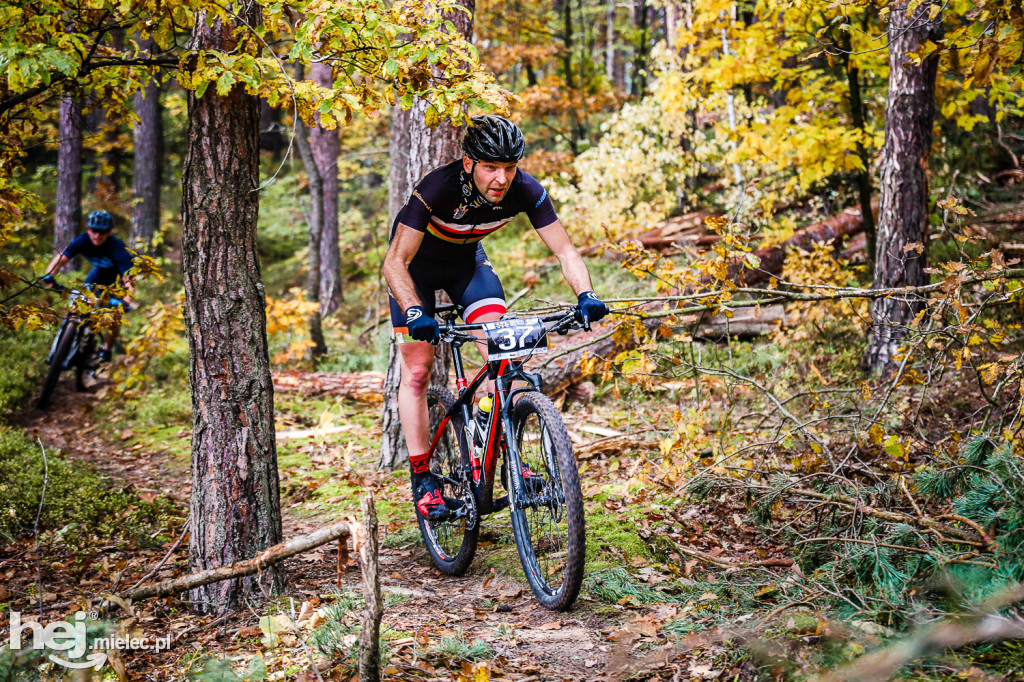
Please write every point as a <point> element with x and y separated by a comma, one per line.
<point>114,302</point>
<point>565,321</point>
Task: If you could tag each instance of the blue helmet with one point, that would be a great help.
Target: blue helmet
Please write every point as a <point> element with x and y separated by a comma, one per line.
<point>99,221</point>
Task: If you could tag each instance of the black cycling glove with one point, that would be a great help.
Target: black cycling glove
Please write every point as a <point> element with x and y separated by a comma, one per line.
<point>591,308</point>
<point>48,280</point>
<point>421,326</point>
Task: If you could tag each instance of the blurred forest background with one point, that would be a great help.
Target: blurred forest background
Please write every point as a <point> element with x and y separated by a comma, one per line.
<point>807,217</point>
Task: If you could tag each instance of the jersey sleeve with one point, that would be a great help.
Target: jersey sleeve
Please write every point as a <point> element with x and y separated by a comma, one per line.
<point>123,259</point>
<point>537,203</point>
<point>423,202</point>
<point>75,247</point>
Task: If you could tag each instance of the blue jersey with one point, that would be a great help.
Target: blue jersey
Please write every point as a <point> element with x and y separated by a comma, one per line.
<point>454,216</point>
<point>109,259</point>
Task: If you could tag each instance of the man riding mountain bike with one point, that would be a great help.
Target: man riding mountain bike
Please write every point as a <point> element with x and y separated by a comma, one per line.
<point>111,261</point>
<point>435,245</point>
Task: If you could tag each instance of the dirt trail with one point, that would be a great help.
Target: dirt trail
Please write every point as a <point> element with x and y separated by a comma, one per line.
<point>528,642</point>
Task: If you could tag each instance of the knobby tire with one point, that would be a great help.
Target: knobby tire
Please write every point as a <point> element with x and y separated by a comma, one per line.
<point>547,517</point>
<point>86,355</point>
<point>60,356</point>
<point>450,543</point>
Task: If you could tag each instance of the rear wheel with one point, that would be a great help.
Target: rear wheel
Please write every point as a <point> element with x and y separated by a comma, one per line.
<point>547,504</point>
<point>451,543</point>
<point>84,363</point>
<point>61,350</point>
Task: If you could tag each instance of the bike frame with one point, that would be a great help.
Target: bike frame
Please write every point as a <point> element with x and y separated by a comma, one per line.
<point>499,424</point>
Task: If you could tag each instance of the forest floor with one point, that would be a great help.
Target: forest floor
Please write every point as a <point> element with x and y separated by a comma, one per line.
<point>484,625</point>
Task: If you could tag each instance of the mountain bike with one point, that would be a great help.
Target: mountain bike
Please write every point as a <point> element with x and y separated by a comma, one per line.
<point>538,472</point>
<point>73,348</point>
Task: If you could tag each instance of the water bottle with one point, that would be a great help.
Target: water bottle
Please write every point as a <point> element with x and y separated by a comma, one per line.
<point>483,415</point>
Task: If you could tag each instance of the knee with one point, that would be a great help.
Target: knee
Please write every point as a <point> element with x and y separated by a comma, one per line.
<point>416,379</point>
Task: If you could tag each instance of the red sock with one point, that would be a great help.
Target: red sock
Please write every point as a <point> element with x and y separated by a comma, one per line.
<point>420,464</point>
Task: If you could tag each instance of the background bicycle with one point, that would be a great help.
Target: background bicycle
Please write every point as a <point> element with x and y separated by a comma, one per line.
<point>74,347</point>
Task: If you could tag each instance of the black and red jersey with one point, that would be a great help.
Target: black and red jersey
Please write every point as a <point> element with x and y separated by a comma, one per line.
<point>454,216</point>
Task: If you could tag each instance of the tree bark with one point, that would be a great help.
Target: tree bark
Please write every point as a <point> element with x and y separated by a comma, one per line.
<point>903,213</point>
<point>235,503</point>
<point>575,125</point>
<point>640,18</point>
<point>316,216</point>
<point>326,149</point>
<point>864,174</point>
<point>416,149</point>
<point>147,136</point>
<point>68,214</point>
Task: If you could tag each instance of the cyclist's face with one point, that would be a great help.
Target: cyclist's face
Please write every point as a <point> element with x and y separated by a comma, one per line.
<point>97,238</point>
<point>492,178</point>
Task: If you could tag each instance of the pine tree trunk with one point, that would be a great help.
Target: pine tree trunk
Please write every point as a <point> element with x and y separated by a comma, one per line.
<point>416,149</point>
<point>147,136</point>
<point>67,219</point>
<point>326,149</point>
<point>903,213</point>
<point>235,502</point>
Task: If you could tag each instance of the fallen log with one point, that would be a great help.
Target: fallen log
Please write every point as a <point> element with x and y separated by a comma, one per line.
<point>744,324</point>
<point>846,224</point>
<point>239,569</point>
<point>684,229</point>
<point>364,386</point>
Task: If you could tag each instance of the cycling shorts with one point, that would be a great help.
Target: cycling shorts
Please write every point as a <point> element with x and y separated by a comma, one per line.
<point>474,287</point>
<point>102,276</point>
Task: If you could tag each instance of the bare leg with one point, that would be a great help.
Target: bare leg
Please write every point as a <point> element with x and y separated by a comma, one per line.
<point>417,360</point>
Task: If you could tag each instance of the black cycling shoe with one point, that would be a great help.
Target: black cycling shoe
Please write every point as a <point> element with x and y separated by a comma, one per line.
<point>103,356</point>
<point>427,495</point>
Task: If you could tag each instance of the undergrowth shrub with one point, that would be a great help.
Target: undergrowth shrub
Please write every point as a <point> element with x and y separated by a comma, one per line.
<point>894,567</point>
<point>21,372</point>
<point>78,502</point>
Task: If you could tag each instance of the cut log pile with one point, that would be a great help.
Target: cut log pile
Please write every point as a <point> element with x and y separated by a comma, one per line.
<point>364,386</point>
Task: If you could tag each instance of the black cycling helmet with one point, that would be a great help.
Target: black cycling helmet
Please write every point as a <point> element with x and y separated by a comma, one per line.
<point>99,221</point>
<point>493,138</point>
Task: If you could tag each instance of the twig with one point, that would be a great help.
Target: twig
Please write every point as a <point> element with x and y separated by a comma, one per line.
<point>239,569</point>
<point>373,611</point>
<point>874,543</point>
<point>35,527</point>
<point>967,522</point>
<point>156,568</point>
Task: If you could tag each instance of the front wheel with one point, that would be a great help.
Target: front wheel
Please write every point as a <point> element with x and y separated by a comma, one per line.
<point>84,363</point>
<point>61,350</point>
<point>452,542</point>
<point>547,509</point>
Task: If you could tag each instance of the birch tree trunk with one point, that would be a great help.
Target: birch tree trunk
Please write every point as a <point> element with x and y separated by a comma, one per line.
<point>235,506</point>
<point>902,220</point>
<point>415,150</point>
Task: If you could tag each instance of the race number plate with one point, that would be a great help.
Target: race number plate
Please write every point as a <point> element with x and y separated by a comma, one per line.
<point>508,339</point>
